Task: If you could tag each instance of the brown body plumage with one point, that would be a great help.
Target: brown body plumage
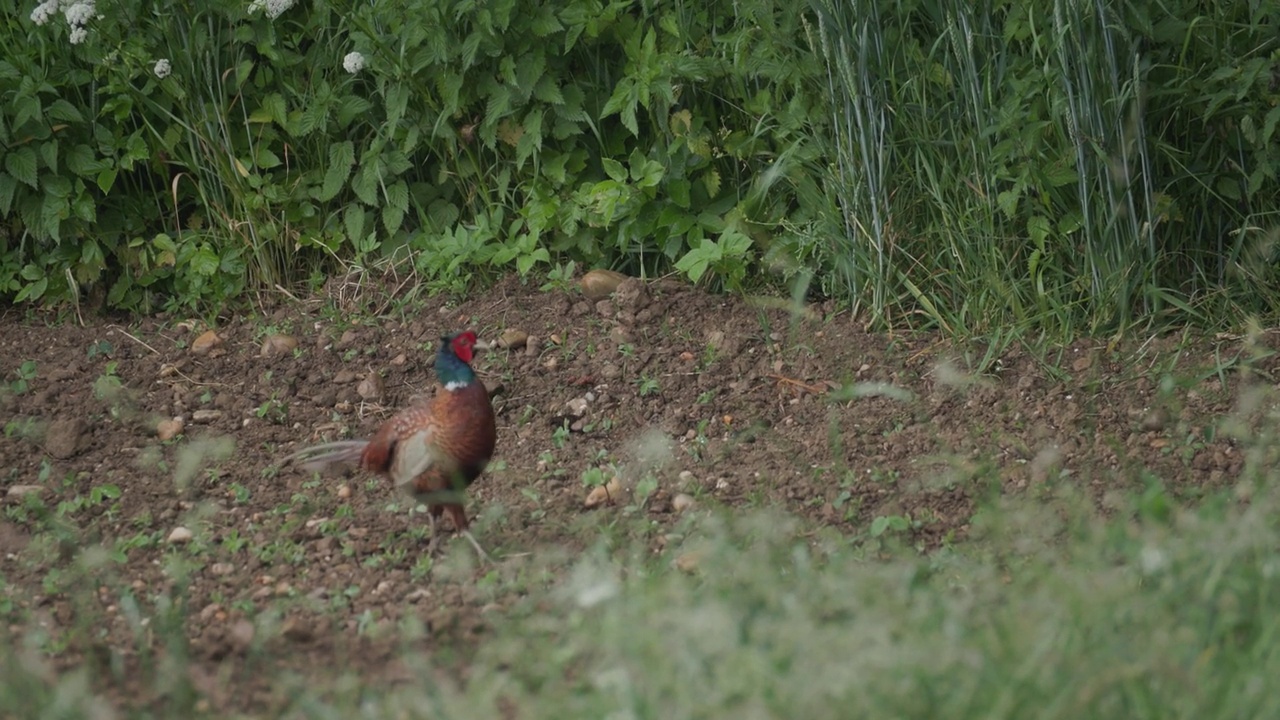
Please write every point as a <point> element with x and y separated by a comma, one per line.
<point>433,449</point>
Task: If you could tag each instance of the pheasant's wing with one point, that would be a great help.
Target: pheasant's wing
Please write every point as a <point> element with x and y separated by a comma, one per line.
<point>416,453</point>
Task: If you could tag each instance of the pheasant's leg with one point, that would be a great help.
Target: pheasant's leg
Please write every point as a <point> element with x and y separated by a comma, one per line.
<point>459,516</point>
<point>484,556</point>
<point>433,517</point>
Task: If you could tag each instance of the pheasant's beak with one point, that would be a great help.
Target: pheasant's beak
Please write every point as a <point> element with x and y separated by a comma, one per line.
<point>482,345</point>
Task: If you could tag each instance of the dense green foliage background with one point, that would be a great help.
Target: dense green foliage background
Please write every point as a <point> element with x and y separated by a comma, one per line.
<point>1061,165</point>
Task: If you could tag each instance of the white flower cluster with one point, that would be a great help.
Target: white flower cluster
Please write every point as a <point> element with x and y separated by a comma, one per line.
<point>353,62</point>
<point>77,12</point>
<point>162,68</point>
<point>273,8</point>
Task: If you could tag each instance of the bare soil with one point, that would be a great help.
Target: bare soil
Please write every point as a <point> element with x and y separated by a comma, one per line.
<point>730,401</point>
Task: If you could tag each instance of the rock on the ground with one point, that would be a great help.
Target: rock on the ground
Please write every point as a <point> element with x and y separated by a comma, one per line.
<point>599,284</point>
<point>64,437</point>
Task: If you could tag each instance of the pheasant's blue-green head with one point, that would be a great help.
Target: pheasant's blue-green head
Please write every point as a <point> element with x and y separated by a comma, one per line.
<point>453,362</point>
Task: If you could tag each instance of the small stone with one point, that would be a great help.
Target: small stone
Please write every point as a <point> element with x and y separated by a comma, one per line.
<point>371,387</point>
<point>577,407</point>
<point>513,339</point>
<point>532,346</point>
<point>632,295</point>
<point>686,356</point>
<point>276,345</point>
<point>241,635</point>
<point>494,387</point>
<point>344,492</point>
<point>399,360</point>
<point>207,341</point>
<point>609,371</point>
<point>63,438</point>
<point>686,478</point>
<point>180,535</point>
<point>206,416</point>
<point>222,568</point>
<point>682,502</point>
<point>297,630</point>
<point>21,490</point>
<point>688,562</point>
<point>716,339</point>
<point>605,309</point>
<point>1082,363</point>
<point>1155,420</point>
<point>599,284</point>
<point>602,494</point>
<point>208,612</point>
<point>348,338</point>
<point>169,429</point>
<point>344,377</point>
<point>551,363</point>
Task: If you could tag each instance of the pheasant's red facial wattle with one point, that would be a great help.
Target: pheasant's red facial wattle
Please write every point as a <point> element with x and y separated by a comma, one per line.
<point>463,346</point>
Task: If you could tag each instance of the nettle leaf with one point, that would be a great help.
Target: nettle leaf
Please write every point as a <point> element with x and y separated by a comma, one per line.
<point>545,22</point>
<point>1007,201</point>
<point>342,156</point>
<point>711,181</point>
<point>392,217</point>
<point>353,220</point>
<point>365,183</point>
<point>1038,228</point>
<point>351,107</point>
<point>21,164</point>
<point>65,111</point>
<point>548,91</point>
<point>396,99</point>
<point>82,161</point>
<point>53,211</point>
<point>49,154</point>
<point>25,109</point>
<point>623,103</point>
<point>449,85</point>
<point>205,261</point>
<point>273,109</point>
<point>8,188</point>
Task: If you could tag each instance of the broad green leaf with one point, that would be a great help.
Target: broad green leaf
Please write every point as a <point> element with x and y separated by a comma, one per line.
<point>341,158</point>
<point>353,221</point>
<point>32,292</point>
<point>21,164</point>
<point>106,179</point>
<point>8,187</point>
<point>614,169</point>
<point>1038,229</point>
<point>49,154</point>
<point>204,261</point>
<point>64,111</point>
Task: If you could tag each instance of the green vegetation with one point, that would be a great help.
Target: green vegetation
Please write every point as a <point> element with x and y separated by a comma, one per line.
<point>1161,611</point>
<point>1052,166</point>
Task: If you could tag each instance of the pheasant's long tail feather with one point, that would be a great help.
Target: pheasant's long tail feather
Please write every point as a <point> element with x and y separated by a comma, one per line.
<point>318,457</point>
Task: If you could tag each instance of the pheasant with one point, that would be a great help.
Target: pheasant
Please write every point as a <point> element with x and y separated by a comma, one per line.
<point>433,449</point>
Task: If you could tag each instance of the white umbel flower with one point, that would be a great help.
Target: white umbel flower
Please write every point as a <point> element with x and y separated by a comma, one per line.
<point>273,8</point>
<point>44,11</point>
<point>78,35</point>
<point>79,13</point>
<point>162,68</point>
<point>353,62</point>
